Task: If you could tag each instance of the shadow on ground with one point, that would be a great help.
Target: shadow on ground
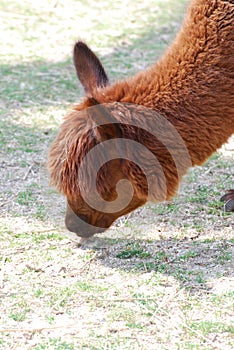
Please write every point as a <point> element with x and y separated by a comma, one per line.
<point>195,263</point>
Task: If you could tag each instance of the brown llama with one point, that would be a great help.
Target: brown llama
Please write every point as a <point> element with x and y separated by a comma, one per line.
<point>133,141</point>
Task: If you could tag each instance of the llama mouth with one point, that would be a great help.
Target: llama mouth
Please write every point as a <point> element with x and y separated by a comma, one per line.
<point>82,228</point>
<point>79,224</point>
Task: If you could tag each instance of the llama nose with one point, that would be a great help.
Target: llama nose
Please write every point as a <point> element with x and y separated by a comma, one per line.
<point>80,224</point>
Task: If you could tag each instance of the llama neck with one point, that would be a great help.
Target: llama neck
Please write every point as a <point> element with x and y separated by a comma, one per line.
<point>192,85</point>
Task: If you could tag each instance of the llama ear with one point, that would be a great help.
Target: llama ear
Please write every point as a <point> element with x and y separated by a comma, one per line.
<point>105,127</point>
<point>88,68</point>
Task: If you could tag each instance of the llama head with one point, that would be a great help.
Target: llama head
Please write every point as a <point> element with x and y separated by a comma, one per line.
<point>85,159</point>
<point>110,158</point>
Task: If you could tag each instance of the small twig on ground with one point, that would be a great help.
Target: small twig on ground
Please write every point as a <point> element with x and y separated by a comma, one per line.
<point>15,15</point>
<point>209,170</point>
<point>165,302</point>
<point>33,330</point>
<point>87,263</point>
<point>2,204</point>
<point>28,172</point>
<point>2,272</point>
<point>121,299</point>
<point>45,230</point>
<point>34,268</point>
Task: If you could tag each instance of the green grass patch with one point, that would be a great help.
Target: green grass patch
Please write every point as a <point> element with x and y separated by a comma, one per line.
<point>55,344</point>
<point>207,327</point>
<point>25,197</point>
<point>19,314</point>
<point>133,250</point>
<point>151,266</point>
<point>187,256</point>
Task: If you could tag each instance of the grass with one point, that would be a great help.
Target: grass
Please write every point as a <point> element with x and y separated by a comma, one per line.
<point>162,278</point>
<point>56,343</point>
<point>207,327</point>
<point>133,251</point>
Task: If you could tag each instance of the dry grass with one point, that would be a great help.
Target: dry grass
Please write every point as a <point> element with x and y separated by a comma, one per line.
<point>161,278</point>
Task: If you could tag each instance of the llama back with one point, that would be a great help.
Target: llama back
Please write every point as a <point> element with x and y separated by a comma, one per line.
<point>193,83</point>
<point>199,64</point>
